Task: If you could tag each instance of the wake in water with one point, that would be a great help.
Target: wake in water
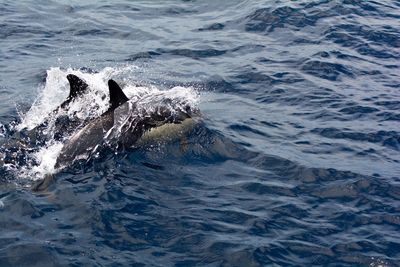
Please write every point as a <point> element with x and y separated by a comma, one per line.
<point>31,147</point>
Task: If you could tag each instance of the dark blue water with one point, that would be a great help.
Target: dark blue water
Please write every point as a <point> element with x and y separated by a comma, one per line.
<point>296,161</point>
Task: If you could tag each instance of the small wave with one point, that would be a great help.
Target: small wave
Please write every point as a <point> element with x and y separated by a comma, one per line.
<point>389,139</point>
<point>326,70</point>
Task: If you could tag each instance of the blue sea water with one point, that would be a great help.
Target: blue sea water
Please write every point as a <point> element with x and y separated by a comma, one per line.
<point>296,161</point>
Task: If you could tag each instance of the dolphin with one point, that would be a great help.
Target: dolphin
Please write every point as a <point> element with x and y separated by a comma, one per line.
<point>125,124</point>
<point>122,125</point>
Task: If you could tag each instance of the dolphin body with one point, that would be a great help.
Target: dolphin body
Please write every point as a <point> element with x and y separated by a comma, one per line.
<point>122,125</point>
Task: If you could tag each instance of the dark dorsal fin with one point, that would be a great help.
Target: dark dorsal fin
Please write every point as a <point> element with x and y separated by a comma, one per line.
<point>117,96</point>
<point>76,85</point>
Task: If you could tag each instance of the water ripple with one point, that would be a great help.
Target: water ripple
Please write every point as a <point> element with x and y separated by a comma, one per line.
<point>295,162</point>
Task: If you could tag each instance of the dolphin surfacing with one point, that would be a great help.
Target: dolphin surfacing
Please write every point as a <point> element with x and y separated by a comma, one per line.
<point>122,125</point>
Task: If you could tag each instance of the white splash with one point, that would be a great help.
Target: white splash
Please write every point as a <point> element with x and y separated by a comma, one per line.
<point>56,90</point>
<point>46,157</point>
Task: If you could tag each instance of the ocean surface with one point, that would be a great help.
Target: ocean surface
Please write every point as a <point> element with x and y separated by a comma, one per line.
<point>295,159</point>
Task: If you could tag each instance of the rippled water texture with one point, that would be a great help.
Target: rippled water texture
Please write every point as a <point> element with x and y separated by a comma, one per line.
<point>295,162</point>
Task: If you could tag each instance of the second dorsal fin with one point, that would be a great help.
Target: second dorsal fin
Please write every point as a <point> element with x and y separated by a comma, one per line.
<point>117,96</point>
<point>77,86</point>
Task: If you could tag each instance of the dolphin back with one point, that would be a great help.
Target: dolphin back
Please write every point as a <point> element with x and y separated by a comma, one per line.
<point>81,144</point>
<point>125,122</point>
